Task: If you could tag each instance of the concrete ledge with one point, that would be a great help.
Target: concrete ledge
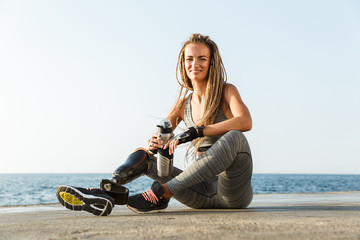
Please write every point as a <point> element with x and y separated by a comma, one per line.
<point>270,216</point>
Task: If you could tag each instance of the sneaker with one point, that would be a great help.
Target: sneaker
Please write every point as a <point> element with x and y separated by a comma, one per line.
<point>151,200</point>
<point>92,200</point>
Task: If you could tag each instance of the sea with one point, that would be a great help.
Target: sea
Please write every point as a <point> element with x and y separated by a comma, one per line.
<point>32,189</point>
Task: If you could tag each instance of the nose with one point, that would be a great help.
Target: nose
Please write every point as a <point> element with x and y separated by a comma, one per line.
<point>195,62</point>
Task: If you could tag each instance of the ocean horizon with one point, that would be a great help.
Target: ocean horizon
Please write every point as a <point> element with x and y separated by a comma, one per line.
<point>40,188</point>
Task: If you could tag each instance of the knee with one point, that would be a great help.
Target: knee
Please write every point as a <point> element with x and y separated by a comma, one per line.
<point>235,136</point>
<point>236,141</point>
<point>235,133</point>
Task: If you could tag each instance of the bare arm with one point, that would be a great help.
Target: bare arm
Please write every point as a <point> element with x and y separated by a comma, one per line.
<point>176,114</point>
<point>240,116</point>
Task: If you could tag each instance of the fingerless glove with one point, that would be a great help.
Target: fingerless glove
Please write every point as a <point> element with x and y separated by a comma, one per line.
<point>189,135</point>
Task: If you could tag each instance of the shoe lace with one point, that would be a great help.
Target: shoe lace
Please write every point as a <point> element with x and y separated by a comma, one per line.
<point>150,196</point>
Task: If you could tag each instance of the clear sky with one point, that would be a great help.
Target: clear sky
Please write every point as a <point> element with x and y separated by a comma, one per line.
<point>83,83</point>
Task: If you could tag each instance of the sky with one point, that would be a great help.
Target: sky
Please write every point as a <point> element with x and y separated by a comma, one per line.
<point>84,83</point>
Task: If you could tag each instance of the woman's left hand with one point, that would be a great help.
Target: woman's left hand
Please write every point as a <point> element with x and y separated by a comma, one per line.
<point>172,145</point>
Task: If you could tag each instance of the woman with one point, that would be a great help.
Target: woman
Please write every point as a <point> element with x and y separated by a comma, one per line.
<point>220,176</point>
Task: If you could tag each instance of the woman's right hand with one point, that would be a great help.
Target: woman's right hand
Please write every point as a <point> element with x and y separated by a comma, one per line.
<point>154,143</point>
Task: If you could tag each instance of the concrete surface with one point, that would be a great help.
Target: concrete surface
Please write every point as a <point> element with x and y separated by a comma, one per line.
<point>270,216</point>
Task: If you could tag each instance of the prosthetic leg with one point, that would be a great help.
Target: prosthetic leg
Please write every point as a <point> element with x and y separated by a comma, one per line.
<point>135,166</point>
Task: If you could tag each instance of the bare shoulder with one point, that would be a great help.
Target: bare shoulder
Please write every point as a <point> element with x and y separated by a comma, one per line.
<point>237,108</point>
<point>230,91</point>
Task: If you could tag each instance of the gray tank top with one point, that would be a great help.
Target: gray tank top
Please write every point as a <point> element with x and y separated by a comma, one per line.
<point>209,141</point>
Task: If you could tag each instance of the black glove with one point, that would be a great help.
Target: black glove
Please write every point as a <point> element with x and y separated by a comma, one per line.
<point>189,135</point>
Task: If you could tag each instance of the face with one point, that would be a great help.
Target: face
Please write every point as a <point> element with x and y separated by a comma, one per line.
<point>197,61</point>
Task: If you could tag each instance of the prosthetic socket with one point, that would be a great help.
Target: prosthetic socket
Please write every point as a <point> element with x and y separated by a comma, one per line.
<point>135,166</point>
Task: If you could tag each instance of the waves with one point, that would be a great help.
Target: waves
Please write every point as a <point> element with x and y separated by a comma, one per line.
<point>24,189</point>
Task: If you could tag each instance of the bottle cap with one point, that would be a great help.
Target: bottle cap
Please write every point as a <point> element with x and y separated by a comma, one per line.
<point>165,126</point>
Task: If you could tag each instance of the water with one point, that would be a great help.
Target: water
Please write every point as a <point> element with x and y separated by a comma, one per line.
<point>24,189</point>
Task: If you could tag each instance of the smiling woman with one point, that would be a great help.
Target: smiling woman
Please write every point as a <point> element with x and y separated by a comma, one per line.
<point>197,62</point>
<point>220,174</point>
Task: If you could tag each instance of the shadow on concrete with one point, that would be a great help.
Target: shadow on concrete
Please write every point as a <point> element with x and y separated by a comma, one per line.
<point>321,208</point>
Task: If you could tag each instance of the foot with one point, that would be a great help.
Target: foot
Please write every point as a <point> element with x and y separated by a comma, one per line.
<point>92,200</point>
<point>152,200</point>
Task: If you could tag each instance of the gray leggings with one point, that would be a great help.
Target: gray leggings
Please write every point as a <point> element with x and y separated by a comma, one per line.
<point>219,178</point>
